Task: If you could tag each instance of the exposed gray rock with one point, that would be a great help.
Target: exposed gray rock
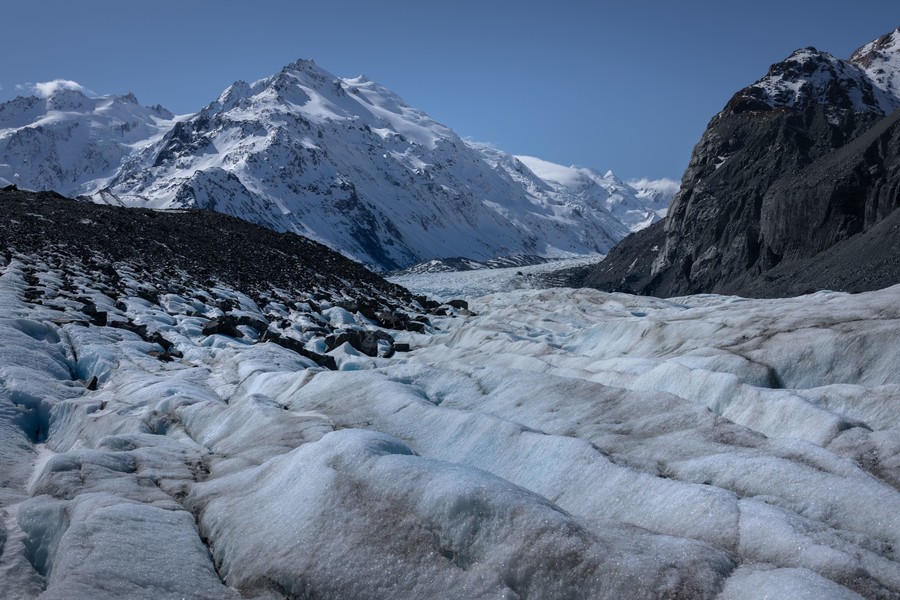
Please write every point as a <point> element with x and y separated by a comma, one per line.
<point>783,174</point>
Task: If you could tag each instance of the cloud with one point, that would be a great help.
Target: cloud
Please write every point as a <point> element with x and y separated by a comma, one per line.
<point>48,88</point>
<point>474,142</point>
<point>664,185</point>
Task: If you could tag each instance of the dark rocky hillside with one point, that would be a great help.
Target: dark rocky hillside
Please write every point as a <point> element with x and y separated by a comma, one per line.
<point>91,256</point>
<point>792,188</point>
<point>206,244</point>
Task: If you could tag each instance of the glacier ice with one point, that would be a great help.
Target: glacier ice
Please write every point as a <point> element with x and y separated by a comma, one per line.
<point>558,443</point>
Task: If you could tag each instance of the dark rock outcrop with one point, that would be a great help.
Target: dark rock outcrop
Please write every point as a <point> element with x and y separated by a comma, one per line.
<point>364,341</point>
<point>784,179</point>
<point>323,360</point>
<point>222,326</point>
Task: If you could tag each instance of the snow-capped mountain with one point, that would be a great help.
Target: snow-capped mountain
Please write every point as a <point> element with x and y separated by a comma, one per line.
<point>636,206</point>
<point>70,142</point>
<point>343,161</point>
<point>881,61</point>
<point>348,163</point>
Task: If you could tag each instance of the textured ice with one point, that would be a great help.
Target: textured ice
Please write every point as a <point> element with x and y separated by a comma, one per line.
<point>99,546</point>
<point>419,527</point>
<point>560,444</point>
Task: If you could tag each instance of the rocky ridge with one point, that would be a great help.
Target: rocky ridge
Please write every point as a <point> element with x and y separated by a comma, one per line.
<point>796,164</point>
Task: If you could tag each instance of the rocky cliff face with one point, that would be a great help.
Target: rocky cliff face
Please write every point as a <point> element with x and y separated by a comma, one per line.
<point>794,164</point>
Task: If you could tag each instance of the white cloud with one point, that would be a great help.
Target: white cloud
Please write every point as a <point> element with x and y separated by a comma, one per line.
<point>48,88</point>
<point>474,142</point>
<point>664,185</point>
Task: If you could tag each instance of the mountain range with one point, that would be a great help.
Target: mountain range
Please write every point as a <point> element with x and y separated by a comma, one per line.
<point>342,161</point>
<point>793,187</point>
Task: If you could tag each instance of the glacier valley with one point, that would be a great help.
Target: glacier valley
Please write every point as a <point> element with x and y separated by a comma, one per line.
<point>536,443</point>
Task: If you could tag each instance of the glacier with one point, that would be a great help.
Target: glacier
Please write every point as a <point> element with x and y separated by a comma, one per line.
<point>543,443</point>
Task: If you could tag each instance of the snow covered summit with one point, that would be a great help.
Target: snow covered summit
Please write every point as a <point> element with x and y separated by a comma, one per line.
<point>72,143</point>
<point>812,77</point>
<point>348,163</point>
<point>881,61</point>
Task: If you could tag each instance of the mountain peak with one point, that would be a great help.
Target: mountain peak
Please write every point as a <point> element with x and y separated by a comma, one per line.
<point>66,99</point>
<point>234,93</point>
<point>887,44</point>
<point>880,59</point>
<point>301,64</point>
<point>82,139</point>
<point>307,68</point>
<point>812,77</point>
<point>130,98</point>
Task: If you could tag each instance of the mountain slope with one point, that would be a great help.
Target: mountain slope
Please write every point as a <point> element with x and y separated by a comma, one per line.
<point>796,163</point>
<point>71,143</point>
<point>348,163</point>
<point>344,161</point>
<point>635,205</point>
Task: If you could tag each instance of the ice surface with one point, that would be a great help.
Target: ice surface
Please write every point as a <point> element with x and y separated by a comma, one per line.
<point>419,527</point>
<point>471,284</point>
<point>98,546</point>
<point>556,444</point>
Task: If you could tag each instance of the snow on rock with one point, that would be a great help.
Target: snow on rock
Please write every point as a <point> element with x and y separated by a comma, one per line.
<point>809,76</point>
<point>542,444</point>
<point>881,61</point>
<point>348,163</point>
<point>66,141</point>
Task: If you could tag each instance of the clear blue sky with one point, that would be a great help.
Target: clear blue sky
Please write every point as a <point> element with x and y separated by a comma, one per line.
<point>627,86</point>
